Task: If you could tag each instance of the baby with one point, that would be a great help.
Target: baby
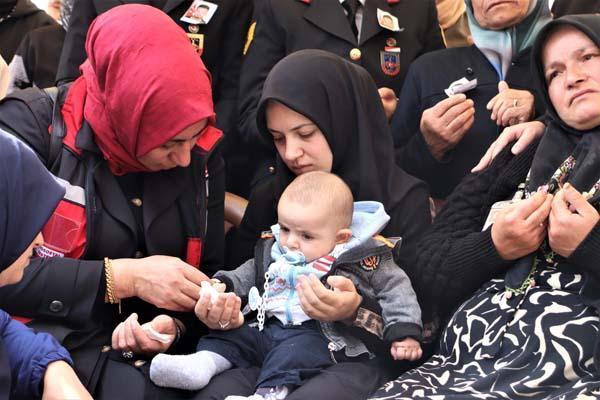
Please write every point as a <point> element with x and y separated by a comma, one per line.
<point>320,232</point>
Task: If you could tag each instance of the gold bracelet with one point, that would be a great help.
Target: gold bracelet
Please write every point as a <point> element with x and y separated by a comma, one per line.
<point>109,296</point>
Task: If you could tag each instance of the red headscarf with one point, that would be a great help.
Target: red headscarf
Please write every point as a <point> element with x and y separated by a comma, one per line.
<point>142,84</point>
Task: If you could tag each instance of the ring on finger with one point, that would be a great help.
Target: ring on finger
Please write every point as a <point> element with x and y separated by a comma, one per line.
<point>224,325</point>
<point>127,354</point>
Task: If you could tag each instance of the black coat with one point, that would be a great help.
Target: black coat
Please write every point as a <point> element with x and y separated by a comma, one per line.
<point>285,26</point>
<point>224,38</point>
<point>25,18</point>
<point>66,296</point>
<point>424,87</point>
<point>36,59</point>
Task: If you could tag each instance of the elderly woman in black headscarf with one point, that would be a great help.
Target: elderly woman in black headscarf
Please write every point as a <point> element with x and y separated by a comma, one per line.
<point>30,363</point>
<point>324,113</point>
<point>531,330</point>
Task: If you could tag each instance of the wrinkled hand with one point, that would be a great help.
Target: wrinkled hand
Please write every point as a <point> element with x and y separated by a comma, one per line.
<point>129,335</point>
<point>520,228</point>
<point>524,134</point>
<point>406,349</point>
<point>61,382</point>
<point>572,218</point>
<point>389,100</point>
<point>444,125</point>
<point>324,304</point>
<point>224,314</point>
<point>167,282</point>
<point>511,106</point>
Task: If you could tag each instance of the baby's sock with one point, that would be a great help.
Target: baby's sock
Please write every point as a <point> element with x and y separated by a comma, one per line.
<point>190,372</point>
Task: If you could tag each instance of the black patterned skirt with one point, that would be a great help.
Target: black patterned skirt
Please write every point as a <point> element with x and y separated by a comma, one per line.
<point>538,345</point>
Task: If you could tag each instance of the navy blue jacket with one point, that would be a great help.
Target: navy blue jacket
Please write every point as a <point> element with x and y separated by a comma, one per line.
<point>26,355</point>
<point>424,87</point>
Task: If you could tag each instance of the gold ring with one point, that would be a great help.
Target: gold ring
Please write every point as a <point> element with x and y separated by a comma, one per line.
<point>127,354</point>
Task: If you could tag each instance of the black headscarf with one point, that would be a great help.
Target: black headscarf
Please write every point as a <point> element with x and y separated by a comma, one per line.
<point>342,100</point>
<point>28,196</point>
<point>561,8</point>
<point>561,140</point>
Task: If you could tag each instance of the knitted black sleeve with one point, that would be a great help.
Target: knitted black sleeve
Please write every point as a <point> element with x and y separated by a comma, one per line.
<point>455,257</point>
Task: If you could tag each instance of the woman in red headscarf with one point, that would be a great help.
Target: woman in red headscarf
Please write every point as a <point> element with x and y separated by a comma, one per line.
<point>141,223</point>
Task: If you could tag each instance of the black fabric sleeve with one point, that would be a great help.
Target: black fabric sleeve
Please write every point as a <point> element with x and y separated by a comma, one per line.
<point>455,257</point>
<point>226,90</point>
<point>57,289</point>
<point>266,49</point>
<point>411,224</point>
<point>402,330</point>
<point>73,51</point>
<point>259,216</point>
<point>411,151</point>
<point>20,71</point>
<point>18,115</point>
<point>213,251</point>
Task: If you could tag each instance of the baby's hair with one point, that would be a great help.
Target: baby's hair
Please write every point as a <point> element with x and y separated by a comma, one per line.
<point>327,190</point>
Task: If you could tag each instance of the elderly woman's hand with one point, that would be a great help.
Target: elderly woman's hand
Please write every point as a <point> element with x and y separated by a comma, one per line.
<point>520,228</point>
<point>224,314</point>
<point>511,106</point>
<point>524,134</point>
<point>572,218</point>
<point>167,282</point>
<point>130,336</point>
<point>324,304</point>
<point>444,125</point>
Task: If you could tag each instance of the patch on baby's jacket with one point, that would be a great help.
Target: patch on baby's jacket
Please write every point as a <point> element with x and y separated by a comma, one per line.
<point>370,263</point>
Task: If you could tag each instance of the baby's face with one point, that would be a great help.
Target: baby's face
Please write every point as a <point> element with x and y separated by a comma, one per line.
<point>307,229</point>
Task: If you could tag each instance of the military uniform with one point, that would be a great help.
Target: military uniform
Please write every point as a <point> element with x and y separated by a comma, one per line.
<point>281,27</point>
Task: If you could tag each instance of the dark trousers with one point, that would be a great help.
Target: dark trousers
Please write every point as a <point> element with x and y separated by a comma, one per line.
<point>288,355</point>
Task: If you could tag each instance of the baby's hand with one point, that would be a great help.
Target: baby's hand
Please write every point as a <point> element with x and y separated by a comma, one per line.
<point>406,349</point>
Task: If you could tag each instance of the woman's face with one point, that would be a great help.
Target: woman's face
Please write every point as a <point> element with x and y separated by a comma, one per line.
<point>14,273</point>
<point>572,71</point>
<point>299,142</point>
<point>177,151</point>
<point>499,14</point>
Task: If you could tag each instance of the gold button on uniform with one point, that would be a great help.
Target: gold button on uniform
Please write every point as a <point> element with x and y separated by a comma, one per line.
<point>355,54</point>
<point>106,348</point>
<point>271,169</point>
<point>136,202</point>
<point>139,363</point>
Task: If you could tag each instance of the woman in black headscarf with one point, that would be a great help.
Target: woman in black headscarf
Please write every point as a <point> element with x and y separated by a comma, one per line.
<point>324,113</point>
<point>338,98</point>
<point>30,363</point>
<point>528,332</point>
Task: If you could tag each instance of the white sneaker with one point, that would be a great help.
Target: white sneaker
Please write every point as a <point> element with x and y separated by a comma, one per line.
<point>276,393</point>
